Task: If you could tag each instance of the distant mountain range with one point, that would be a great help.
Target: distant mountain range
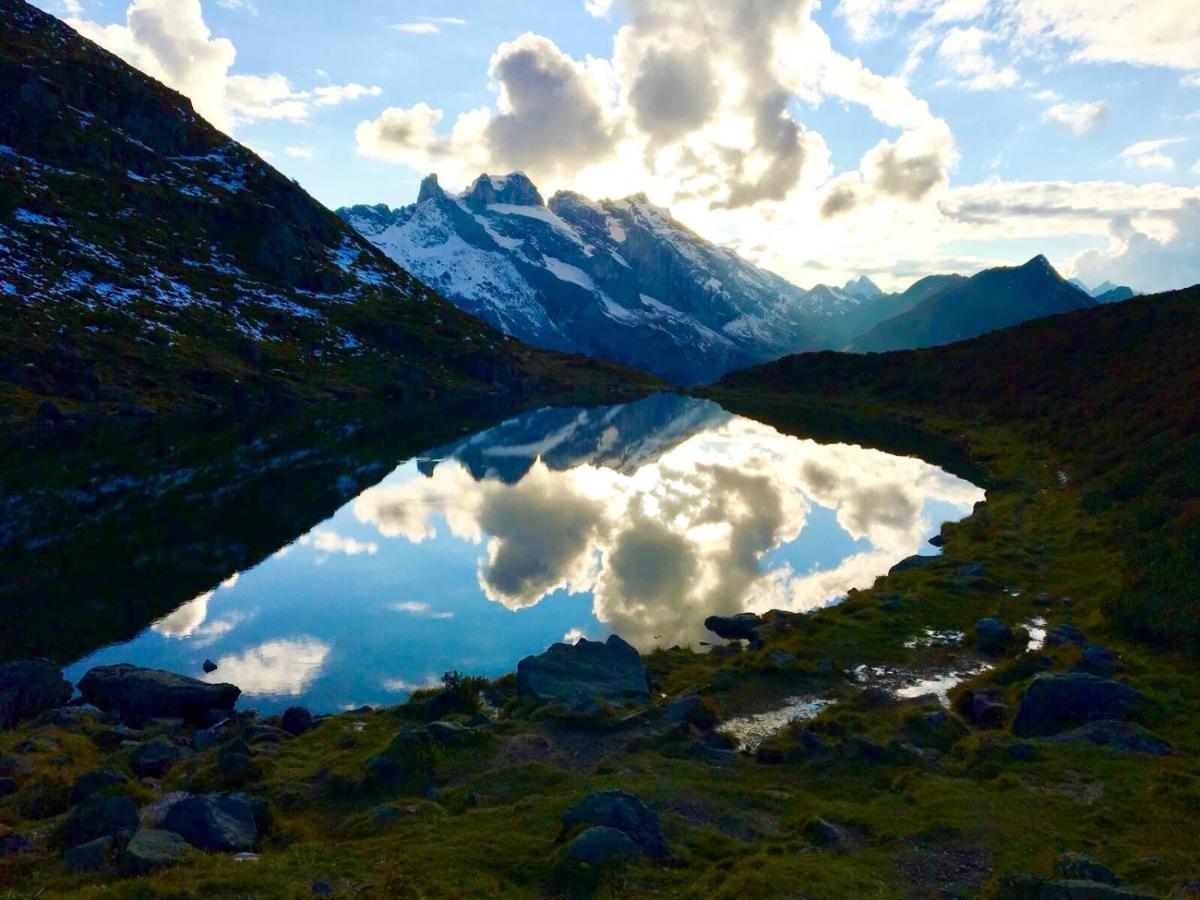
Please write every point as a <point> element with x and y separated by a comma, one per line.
<point>622,279</point>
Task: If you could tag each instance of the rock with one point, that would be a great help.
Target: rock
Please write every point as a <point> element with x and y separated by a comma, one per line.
<point>297,720</point>
<point>993,636</point>
<point>984,708</point>
<point>1065,634</point>
<point>937,729</point>
<point>137,694</point>
<point>321,889</point>
<point>937,541</point>
<point>1077,867</point>
<point>223,822</point>
<point>1098,661</point>
<point>821,833</point>
<point>91,783</point>
<point>266,734</point>
<point>14,844</point>
<point>742,627</point>
<point>691,709</point>
<point>625,812</point>
<point>90,857</point>
<point>235,762</point>
<point>1055,703</point>
<point>1119,737</point>
<point>1045,598</point>
<point>892,604</point>
<point>452,734</point>
<point>913,562</point>
<point>971,570</point>
<point>98,817</point>
<point>209,666</point>
<point>602,845</point>
<point>207,738</point>
<point>1075,889</point>
<point>155,759</point>
<point>150,849</point>
<point>782,658</point>
<point>582,675</point>
<point>30,687</point>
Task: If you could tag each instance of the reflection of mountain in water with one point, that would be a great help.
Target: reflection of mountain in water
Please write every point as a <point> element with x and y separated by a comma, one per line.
<point>615,437</point>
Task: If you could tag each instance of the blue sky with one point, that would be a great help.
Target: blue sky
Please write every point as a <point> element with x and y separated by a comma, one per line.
<point>892,137</point>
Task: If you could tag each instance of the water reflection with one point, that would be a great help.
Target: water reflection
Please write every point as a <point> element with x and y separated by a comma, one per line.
<point>641,519</point>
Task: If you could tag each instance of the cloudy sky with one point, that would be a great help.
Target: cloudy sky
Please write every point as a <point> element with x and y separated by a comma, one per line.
<point>889,137</point>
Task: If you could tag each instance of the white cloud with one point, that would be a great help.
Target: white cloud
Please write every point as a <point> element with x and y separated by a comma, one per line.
<point>239,6</point>
<point>331,542</point>
<point>962,50</point>
<point>574,636</point>
<point>169,40</point>
<point>283,667</point>
<point>420,609</point>
<point>1079,118</point>
<point>1144,262</point>
<point>301,151</point>
<point>1149,155</point>
<point>401,686</point>
<point>1196,168</point>
<point>428,24</point>
<point>598,8</point>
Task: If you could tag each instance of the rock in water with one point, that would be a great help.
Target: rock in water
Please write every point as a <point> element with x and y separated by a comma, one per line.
<point>1055,703</point>
<point>601,845</point>
<point>30,687</point>
<point>213,822</point>
<point>742,627</point>
<point>624,812</point>
<point>150,849</point>
<point>582,675</point>
<point>138,694</point>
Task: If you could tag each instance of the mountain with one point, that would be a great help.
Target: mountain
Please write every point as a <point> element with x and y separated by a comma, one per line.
<point>149,263</point>
<point>1106,292</point>
<point>618,279</point>
<point>959,309</point>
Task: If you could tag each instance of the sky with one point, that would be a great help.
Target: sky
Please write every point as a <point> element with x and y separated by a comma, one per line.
<point>821,140</point>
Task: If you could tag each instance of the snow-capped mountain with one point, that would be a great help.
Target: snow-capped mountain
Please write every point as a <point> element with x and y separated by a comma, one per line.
<point>618,278</point>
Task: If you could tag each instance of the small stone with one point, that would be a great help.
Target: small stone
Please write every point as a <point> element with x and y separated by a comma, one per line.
<point>1045,598</point>
<point>602,845</point>
<point>90,857</point>
<point>150,849</point>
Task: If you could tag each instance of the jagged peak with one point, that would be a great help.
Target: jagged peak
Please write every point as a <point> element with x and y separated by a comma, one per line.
<point>430,189</point>
<point>1039,264</point>
<point>515,189</point>
<point>862,287</point>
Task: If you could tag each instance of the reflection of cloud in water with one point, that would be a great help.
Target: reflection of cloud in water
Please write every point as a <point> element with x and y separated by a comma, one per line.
<point>682,537</point>
<point>186,619</point>
<point>324,541</point>
<point>280,667</point>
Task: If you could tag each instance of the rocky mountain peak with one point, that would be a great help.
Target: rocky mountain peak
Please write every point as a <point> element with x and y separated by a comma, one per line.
<point>863,288</point>
<point>430,189</point>
<point>514,189</point>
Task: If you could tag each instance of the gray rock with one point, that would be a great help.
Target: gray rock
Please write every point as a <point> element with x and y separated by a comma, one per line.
<point>1119,737</point>
<point>138,695</point>
<point>209,666</point>
<point>937,541</point>
<point>1098,661</point>
<point>690,709</point>
<point>98,817</point>
<point>1077,867</point>
<point>222,822</point>
<point>91,783</point>
<point>993,636</point>
<point>742,627</point>
<point>625,812</point>
<point>14,844</point>
<point>150,849</point>
<point>207,738</point>
<point>602,845</point>
<point>1065,633</point>
<point>579,676</point>
<point>971,570</point>
<point>823,834</point>
<point>297,720</point>
<point>913,562</point>
<point>155,759</point>
<point>90,857</point>
<point>30,687</point>
<point>1055,703</point>
<point>452,734</point>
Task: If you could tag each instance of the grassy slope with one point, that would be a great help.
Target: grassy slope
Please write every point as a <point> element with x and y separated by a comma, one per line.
<point>146,258</point>
<point>1026,404</point>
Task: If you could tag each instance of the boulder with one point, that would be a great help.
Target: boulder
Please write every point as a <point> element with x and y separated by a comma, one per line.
<point>691,709</point>
<point>913,562</point>
<point>1118,737</point>
<point>1098,661</point>
<point>98,817</point>
<point>625,812</point>
<point>1076,866</point>
<point>138,695</point>
<point>223,822</point>
<point>984,708</point>
<point>993,636</point>
<point>1056,703</point>
<point>583,675</point>
<point>94,782</point>
<point>155,759</point>
<point>150,849</point>
<point>742,627</point>
<point>90,857</point>
<point>602,845</point>
<point>30,687</point>
<point>209,666</point>
<point>821,833</point>
<point>297,720</point>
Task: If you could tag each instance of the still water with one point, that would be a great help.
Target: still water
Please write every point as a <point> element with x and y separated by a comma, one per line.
<point>639,519</point>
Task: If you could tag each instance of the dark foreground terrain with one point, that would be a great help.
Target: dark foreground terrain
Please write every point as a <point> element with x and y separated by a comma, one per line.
<point>1062,618</point>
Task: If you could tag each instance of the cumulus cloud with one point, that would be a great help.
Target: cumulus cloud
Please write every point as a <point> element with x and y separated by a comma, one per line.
<point>284,667</point>
<point>1145,262</point>
<point>1078,118</point>
<point>962,50</point>
<point>1149,155</point>
<point>184,621</point>
<point>169,40</point>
